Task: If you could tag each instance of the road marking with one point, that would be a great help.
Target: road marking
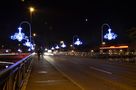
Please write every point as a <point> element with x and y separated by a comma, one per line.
<point>43,72</point>
<point>51,81</point>
<point>101,70</point>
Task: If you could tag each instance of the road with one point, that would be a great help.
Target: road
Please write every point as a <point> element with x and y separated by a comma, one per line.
<point>95,74</point>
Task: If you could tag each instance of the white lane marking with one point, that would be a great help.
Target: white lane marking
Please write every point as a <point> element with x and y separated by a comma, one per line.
<point>101,70</point>
<point>43,72</point>
<point>51,81</point>
<point>50,60</point>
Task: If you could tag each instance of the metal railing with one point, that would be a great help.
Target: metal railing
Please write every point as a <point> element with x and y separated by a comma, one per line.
<point>12,78</point>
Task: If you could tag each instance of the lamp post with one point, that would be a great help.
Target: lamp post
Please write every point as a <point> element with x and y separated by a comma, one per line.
<point>105,24</point>
<point>21,36</point>
<point>23,22</point>
<point>73,41</point>
<point>28,44</point>
<point>110,35</point>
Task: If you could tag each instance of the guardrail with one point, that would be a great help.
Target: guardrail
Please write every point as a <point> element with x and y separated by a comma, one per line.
<point>12,78</point>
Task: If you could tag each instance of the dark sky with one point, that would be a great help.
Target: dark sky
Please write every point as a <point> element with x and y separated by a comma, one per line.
<point>56,20</point>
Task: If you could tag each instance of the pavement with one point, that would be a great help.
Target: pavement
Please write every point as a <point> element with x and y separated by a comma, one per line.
<point>44,76</point>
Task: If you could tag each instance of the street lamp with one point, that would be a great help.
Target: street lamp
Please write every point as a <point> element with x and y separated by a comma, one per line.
<point>28,44</point>
<point>73,41</point>
<point>34,34</point>
<point>21,36</point>
<point>108,35</point>
<point>31,9</point>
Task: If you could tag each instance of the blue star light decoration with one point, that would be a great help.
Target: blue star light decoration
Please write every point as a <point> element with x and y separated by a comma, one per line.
<point>19,36</point>
<point>29,44</point>
<point>78,42</point>
<point>63,45</point>
<point>57,47</point>
<point>110,35</point>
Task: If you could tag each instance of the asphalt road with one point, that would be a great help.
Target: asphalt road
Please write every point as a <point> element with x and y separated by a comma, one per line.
<point>96,74</point>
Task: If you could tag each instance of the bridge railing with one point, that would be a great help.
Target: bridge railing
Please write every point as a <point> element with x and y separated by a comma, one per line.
<point>12,78</point>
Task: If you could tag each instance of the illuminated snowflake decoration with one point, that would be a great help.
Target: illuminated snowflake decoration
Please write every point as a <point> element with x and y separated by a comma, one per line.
<point>63,45</point>
<point>29,49</point>
<point>78,42</point>
<point>57,47</point>
<point>27,43</point>
<point>19,36</point>
<point>32,47</point>
<point>52,48</point>
<point>110,35</point>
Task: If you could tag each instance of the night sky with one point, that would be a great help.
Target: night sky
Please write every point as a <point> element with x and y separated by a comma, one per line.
<point>56,20</point>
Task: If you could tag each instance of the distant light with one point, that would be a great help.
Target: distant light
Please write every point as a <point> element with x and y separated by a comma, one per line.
<point>34,34</point>
<point>103,43</point>
<point>72,51</point>
<point>78,42</point>
<point>92,51</point>
<point>52,48</point>
<point>61,42</point>
<point>22,0</point>
<point>121,50</point>
<point>7,51</point>
<point>86,19</point>
<point>71,45</point>
<point>34,44</point>
<point>63,45</point>
<point>29,49</point>
<point>57,47</point>
<point>6,66</point>
<point>115,47</point>
<point>110,35</point>
<point>49,51</point>
<point>46,49</point>
<point>19,50</point>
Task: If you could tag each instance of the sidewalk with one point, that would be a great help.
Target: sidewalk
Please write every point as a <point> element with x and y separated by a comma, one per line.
<point>45,77</point>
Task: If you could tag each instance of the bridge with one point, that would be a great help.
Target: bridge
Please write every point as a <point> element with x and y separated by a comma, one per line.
<point>69,72</point>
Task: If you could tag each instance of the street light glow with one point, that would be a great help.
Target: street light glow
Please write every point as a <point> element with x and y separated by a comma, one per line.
<point>31,9</point>
<point>34,34</point>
